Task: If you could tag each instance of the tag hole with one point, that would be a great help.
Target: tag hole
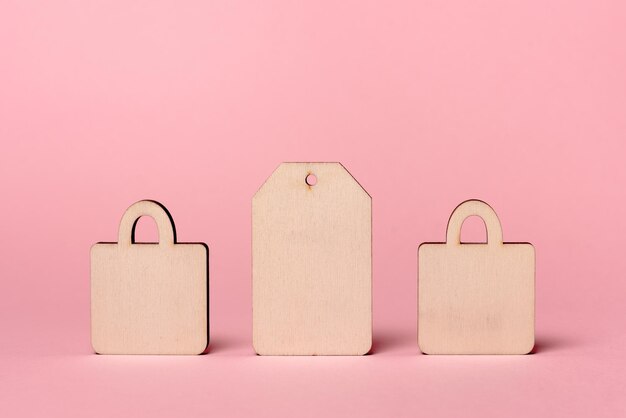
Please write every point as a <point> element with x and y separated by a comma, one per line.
<point>311,179</point>
<point>474,230</point>
<point>145,230</point>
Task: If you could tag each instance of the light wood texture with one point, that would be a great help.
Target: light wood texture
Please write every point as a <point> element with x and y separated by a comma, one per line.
<point>312,263</point>
<point>476,298</point>
<point>149,298</point>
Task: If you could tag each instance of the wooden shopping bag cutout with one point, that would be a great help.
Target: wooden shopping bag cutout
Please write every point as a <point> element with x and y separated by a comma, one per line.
<point>311,262</point>
<point>476,298</point>
<point>149,298</point>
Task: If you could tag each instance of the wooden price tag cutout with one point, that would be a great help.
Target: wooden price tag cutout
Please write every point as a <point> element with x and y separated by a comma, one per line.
<point>312,262</point>
<point>476,298</point>
<point>149,298</point>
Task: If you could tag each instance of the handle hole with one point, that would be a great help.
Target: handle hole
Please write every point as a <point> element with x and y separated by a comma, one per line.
<point>145,230</point>
<point>311,179</point>
<point>474,230</point>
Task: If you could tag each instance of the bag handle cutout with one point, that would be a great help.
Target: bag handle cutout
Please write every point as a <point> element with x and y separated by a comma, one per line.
<point>474,208</point>
<point>158,212</point>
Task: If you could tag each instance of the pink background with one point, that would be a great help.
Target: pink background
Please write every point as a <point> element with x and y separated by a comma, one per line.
<point>519,103</point>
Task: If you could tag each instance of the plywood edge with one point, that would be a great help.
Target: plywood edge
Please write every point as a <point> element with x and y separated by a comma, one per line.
<point>286,163</point>
<point>205,349</point>
<point>94,345</point>
<point>424,349</point>
<point>260,351</point>
<point>477,243</point>
<point>421,346</point>
<point>531,345</point>
<point>355,180</point>
<point>262,186</point>
<point>149,243</point>
<point>532,342</point>
<point>360,351</point>
<point>368,346</point>
<point>204,346</point>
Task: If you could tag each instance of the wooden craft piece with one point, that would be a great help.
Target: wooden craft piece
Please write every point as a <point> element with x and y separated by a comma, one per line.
<point>149,298</point>
<point>476,298</point>
<point>311,262</point>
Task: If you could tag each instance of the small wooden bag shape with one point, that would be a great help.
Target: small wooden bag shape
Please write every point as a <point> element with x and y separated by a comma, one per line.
<point>149,298</point>
<point>311,263</point>
<point>476,298</point>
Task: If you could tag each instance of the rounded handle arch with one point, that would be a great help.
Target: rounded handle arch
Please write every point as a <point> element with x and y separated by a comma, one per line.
<point>158,212</point>
<point>474,208</point>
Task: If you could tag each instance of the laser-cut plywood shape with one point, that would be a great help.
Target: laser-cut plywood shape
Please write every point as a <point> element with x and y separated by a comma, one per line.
<point>476,298</point>
<point>312,263</point>
<point>149,298</point>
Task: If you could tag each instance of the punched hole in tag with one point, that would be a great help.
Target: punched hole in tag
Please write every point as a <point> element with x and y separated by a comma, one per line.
<point>310,179</point>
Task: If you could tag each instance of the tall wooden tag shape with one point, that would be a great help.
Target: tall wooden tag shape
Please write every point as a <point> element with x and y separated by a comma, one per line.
<point>312,262</point>
<point>476,298</point>
<point>149,298</point>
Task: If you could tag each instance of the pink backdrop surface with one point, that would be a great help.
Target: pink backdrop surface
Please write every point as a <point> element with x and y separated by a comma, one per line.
<point>519,103</point>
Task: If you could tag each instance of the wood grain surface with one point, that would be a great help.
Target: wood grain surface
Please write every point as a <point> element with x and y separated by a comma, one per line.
<point>476,298</point>
<point>312,263</point>
<point>149,298</point>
